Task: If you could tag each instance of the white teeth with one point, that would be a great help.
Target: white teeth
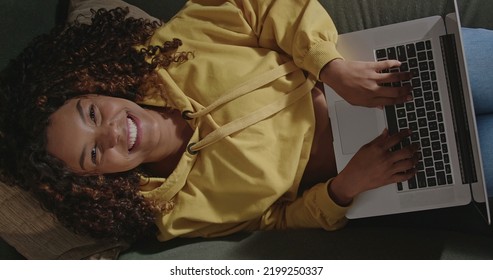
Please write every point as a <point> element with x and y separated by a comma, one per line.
<point>132,133</point>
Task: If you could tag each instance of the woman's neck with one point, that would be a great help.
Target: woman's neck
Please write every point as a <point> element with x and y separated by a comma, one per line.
<point>182,133</point>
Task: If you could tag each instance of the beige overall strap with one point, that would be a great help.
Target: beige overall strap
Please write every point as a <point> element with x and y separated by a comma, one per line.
<point>247,87</point>
<point>253,117</point>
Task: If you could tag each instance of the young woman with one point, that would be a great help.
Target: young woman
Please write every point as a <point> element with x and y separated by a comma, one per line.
<point>121,129</point>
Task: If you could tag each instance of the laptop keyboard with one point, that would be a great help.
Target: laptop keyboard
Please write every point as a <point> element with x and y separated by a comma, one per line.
<point>423,115</point>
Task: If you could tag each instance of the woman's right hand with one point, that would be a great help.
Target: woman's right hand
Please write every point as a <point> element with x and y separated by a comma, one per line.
<point>375,165</point>
<point>359,83</point>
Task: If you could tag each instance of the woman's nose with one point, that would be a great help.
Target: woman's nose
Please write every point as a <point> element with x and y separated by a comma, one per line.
<point>109,136</point>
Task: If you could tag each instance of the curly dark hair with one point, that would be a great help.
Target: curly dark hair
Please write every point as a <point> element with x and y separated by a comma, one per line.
<point>71,61</point>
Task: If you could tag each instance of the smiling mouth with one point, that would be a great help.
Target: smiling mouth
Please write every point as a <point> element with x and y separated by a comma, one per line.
<point>132,133</point>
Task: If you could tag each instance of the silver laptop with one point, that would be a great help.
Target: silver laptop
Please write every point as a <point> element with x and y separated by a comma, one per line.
<point>441,116</point>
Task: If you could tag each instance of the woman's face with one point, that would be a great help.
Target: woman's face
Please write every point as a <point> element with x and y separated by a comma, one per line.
<point>97,134</point>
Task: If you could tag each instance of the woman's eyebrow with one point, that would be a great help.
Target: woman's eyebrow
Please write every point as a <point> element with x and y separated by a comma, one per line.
<point>80,110</point>
<point>81,159</point>
<point>82,155</point>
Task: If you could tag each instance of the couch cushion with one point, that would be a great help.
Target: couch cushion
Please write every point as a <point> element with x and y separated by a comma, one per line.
<point>352,15</point>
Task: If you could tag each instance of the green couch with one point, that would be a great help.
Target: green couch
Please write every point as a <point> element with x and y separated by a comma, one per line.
<point>454,233</point>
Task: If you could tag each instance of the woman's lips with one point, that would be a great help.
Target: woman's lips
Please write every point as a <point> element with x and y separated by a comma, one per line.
<point>133,132</point>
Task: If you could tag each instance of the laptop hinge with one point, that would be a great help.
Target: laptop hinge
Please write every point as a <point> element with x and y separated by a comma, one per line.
<point>459,113</point>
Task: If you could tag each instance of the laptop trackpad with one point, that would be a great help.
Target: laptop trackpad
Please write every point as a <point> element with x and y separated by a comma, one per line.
<point>357,126</point>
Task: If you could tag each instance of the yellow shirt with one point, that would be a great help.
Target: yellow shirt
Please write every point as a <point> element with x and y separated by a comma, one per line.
<point>246,178</point>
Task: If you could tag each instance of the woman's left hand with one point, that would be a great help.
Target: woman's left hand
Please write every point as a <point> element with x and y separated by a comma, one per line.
<point>360,83</point>
<point>375,165</point>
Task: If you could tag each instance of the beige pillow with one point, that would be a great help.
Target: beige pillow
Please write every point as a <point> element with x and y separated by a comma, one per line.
<point>36,234</point>
<point>24,225</point>
<point>81,9</point>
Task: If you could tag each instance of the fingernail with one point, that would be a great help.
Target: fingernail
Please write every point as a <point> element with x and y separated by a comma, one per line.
<point>409,98</point>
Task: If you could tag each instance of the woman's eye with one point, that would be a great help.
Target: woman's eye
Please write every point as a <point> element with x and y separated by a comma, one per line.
<point>94,155</point>
<point>92,113</point>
